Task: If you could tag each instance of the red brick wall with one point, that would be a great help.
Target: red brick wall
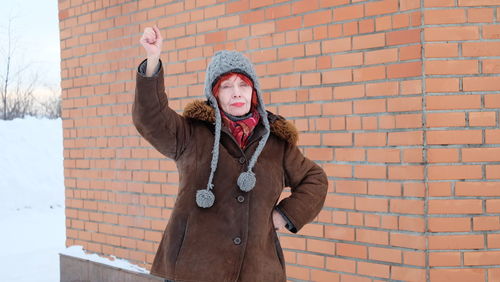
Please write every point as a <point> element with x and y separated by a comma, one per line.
<point>397,100</point>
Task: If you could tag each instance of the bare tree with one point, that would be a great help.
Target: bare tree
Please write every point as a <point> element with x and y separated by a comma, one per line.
<point>18,84</point>
<point>50,107</point>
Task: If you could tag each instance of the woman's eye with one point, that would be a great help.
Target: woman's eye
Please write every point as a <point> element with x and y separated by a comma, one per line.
<point>226,86</point>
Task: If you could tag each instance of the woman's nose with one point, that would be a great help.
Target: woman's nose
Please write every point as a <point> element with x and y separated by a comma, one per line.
<point>236,91</point>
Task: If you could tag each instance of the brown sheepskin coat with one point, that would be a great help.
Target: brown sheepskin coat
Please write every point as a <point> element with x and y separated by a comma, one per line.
<point>234,240</point>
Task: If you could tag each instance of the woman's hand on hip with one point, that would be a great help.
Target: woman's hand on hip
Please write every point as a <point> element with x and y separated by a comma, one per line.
<point>278,220</point>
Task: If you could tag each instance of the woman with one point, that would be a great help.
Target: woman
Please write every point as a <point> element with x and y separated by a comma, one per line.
<point>234,159</point>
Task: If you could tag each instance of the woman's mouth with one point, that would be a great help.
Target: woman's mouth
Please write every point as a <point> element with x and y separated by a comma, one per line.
<point>238,104</point>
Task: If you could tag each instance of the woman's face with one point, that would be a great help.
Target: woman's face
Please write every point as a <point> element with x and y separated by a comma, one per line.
<point>235,96</point>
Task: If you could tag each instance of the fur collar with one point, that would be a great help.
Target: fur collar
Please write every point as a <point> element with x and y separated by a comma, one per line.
<point>280,127</point>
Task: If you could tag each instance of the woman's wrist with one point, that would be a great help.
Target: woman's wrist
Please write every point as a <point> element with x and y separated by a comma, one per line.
<point>151,65</point>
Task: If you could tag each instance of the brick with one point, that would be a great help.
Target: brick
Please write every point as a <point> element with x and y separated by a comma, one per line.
<point>401,37</point>
<point>406,172</point>
<point>448,119</point>
<point>444,16</point>
<point>441,85</point>
<point>439,189</point>
<point>353,251</point>
<point>348,91</point>
<point>453,102</point>
<point>370,139</point>
<point>441,50</point>
<point>319,153</point>
<point>492,136</point>
<point>491,66</point>
<point>481,83</point>
<point>480,49</point>
<point>349,59</point>
<point>369,73</point>
<point>446,224</point>
<point>278,11</point>
<point>438,155</point>
<point>385,254</point>
<point>482,189</point>
<point>459,275</point>
<point>373,269</point>
<point>381,7</point>
<point>382,89</point>
<point>477,2</point>
<point>447,137</point>
<point>493,206</point>
<point>485,223</point>
<point>262,28</point>
<point>371,204</point>
<point>404,70</point>
<point>407,206</point>
<point>320,246</point>
<point>452,67</point>
<point>482,258</point>
<point>368,41</point>
<point>456,242</point>
<point>304,6</point>
<point>451,33</point>
<point>404,104</point>
<point>336,76</point>
<point>339,264</point>
<point>494,241</point>
<point>491,31</point>
<point>318,18</point>
<point>336,45</point>
<point>381,56</point>
<point>288,24</point>
<point>405,138</point>
<point>326,276</point>
<point>470,206</point>
<point>369,106</point>
<point>481,154</point>
<point>348,12</point>
<point>384,188</point>
<point>411,87</point>
<point>408,274</point>
<point>444,259</point>
<point>479,15</point>
<point>384,155</point>
<point>493,171</point>
<point>339,233</point>
<point>370,171</point>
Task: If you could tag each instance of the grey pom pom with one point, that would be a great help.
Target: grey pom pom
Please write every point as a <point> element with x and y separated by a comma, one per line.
<point>246,181</point>
<point>205,198</point>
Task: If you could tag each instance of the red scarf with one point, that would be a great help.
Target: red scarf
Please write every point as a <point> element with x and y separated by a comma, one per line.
<point>242,129</point>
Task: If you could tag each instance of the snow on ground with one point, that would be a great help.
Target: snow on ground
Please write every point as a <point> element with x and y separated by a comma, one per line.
<point>32,203</point>
<point>31,199</point>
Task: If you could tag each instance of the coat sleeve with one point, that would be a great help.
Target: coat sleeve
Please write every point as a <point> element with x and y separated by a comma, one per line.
<point>309,185</point>
<point>161,126</point>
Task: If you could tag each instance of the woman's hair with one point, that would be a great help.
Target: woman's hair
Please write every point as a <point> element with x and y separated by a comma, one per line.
<point>246,79</point>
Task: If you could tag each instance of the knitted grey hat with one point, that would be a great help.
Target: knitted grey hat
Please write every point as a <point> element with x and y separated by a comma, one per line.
<point>224,62</point>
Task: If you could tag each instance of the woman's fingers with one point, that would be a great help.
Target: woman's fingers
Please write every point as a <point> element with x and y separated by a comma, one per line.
<point>157,32</point>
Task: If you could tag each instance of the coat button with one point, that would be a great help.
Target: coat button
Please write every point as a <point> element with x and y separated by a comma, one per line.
<point>242,160</point>
<point>241,199</point>
<point>237,240</point>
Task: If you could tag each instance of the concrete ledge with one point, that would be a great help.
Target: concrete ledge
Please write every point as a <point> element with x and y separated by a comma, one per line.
<point>80,270</point>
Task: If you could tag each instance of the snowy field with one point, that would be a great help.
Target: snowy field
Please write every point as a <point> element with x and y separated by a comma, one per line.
<point>32,203</point>
<point>31,199</point>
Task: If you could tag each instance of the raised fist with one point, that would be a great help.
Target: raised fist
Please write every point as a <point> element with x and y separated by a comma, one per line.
<point>152,42</point>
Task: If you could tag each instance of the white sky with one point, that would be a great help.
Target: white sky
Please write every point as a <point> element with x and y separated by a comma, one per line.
<point>36,27</point>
